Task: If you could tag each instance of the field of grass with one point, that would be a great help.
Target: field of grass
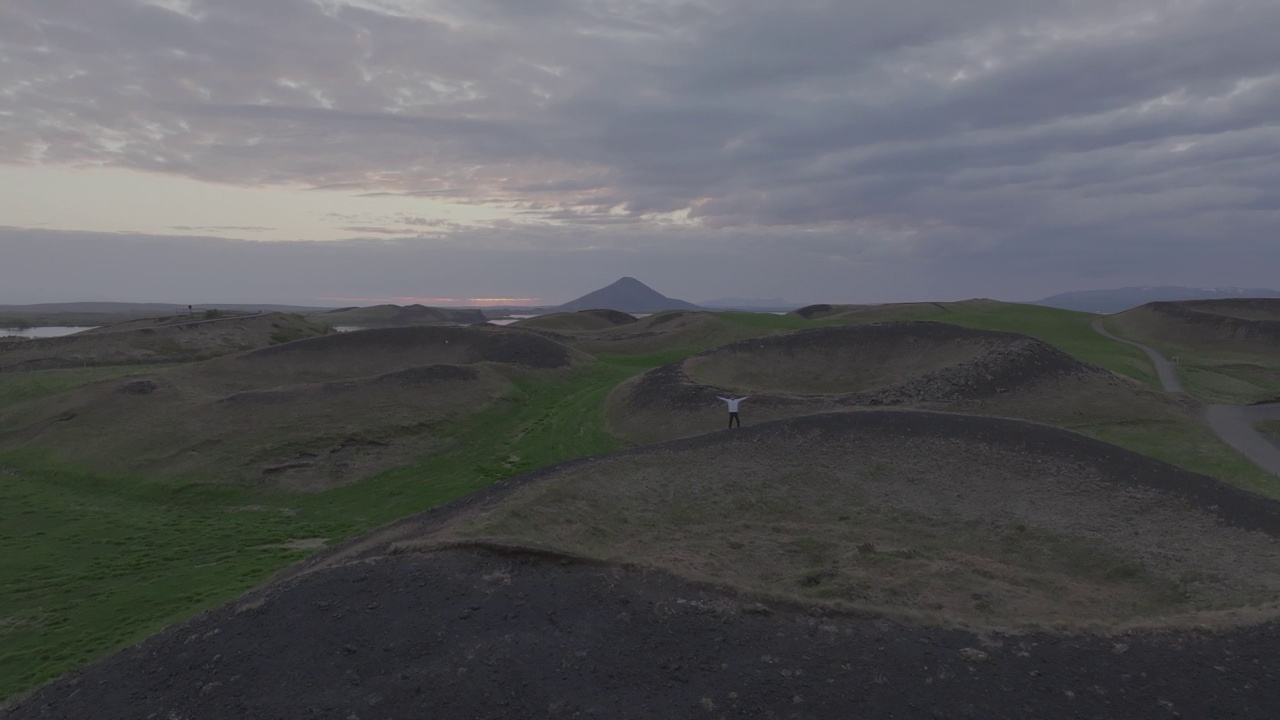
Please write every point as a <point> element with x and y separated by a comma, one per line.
<point>1230,380</point>
<point>1068,330</point>
<point>17,387</point>
<point>1188,444</point>
<point>1215,371</point>
<point>1270,427</point>
<point>90,562</point>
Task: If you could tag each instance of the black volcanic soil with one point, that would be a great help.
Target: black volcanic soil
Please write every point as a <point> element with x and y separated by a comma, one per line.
<point>475,634</point>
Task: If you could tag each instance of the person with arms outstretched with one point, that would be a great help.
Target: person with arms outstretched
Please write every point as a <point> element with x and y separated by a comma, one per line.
<point>732,402</point>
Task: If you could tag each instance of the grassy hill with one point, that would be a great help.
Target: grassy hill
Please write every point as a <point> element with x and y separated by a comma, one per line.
<point>1226,350</point>
<point>941,518</point>
<point>578,321</point>
<point>397,316</point>
<point>307,415</point>
<point>169,339</point>
<point>922,365</point>
<point>92,314</point>
<point>112,537</point>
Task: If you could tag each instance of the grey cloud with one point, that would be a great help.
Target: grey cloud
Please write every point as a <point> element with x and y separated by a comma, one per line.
<point>999,130</point>
<point>215,228</point>
<point>376,230</point>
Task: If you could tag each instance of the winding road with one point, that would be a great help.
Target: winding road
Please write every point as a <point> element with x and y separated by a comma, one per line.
<point>1233,424</point>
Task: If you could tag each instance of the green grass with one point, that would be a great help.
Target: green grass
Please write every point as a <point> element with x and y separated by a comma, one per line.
<point>1270,427</point>
<point>769,321</point>
<point>90,563</point>
<point>1191,445</point>
<point>17,387</point>
<point>1214,372</point>
<point>1067,330</point>
<point>1237,380</point>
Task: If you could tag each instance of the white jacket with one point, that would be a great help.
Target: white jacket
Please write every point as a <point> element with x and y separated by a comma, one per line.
<point>733,402</point>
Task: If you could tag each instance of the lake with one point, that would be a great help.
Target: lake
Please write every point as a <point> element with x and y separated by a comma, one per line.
<point>41,332</point>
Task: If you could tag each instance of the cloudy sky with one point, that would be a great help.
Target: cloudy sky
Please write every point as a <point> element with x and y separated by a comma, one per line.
<point>339,151</point>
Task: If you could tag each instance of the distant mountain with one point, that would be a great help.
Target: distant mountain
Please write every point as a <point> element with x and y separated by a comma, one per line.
<point>118,308</point>
<point>396,316</point>
<point>628,295</point>
<point>750,304</point>
<point>1120,299</point>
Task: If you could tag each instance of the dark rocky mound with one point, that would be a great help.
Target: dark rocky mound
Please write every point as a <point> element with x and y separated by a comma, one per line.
<point>992,363</point>
<point>1244,308</point>
<point>410,314</point>
<point>810,312</point>
<point>613,317</point>
<point>138,387</point>
<point>554,324</point>
<point>1245,324</point>
<point>396,315</point>
<point>460,346</point>
<point>672,316</point>
<point>491,633</point>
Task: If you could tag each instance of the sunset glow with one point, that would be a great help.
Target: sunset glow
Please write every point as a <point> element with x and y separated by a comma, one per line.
<point>445,301</point>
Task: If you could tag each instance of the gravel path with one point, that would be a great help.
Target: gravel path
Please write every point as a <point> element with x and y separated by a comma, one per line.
<point>1165,370</point>
<point>1233,424</point>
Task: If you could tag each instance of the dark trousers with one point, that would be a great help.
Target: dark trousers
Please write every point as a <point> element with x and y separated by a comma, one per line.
<point>733,418</point>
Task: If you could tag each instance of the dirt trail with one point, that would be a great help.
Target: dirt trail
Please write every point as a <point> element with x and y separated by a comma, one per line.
<point>1165,370</point>
<point>1233,424</point>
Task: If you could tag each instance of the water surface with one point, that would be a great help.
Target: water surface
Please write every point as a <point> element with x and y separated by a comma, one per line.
<point>41,332</point>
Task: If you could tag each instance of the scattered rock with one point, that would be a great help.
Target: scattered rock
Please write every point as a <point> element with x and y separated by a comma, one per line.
<point>138,387</point>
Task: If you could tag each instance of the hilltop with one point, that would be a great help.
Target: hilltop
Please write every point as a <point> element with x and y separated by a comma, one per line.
<point>305,415</point>
<point>579,321</point>
<point>806,568</point>
<point>109,313</point>
<point>171,339</point>
<point>804,544</point>
<point>907,364</point>
<point>627,295</point>
<point>1120,299</point>
<point>1226,350</point>
<point>398,316</point>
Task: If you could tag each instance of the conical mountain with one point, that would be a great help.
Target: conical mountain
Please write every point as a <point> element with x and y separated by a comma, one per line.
<point>628,295</point>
